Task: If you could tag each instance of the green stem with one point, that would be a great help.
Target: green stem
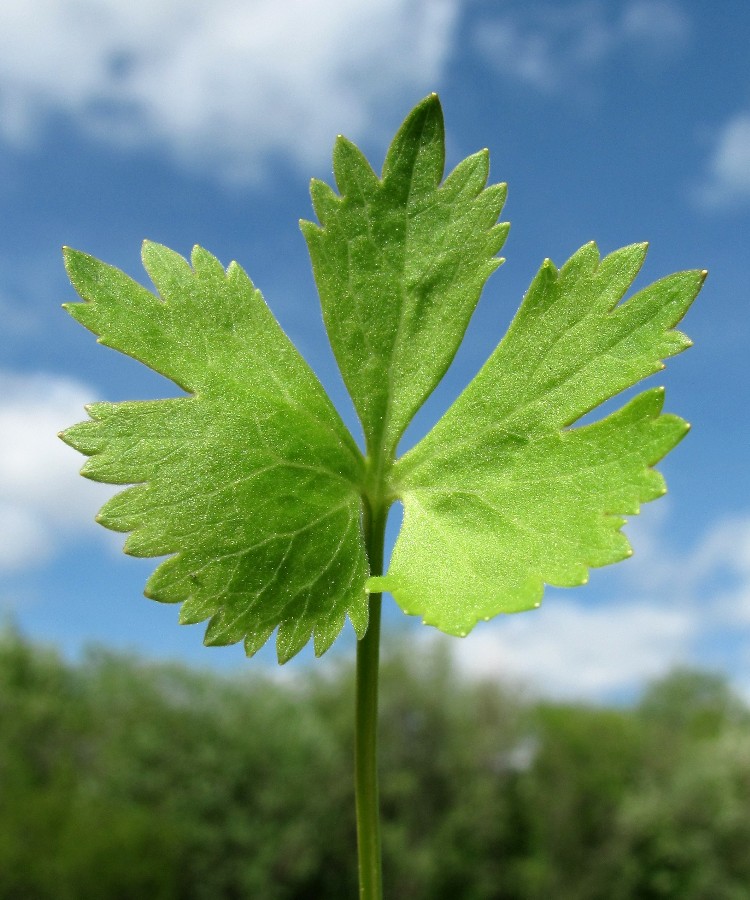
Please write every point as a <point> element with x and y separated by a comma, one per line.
<point>365,739</point>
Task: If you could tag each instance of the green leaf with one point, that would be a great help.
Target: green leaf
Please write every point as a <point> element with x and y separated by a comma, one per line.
<point>502,496</point>
<point>250,484</point>
<point>255,490</point>
<point>400,262</point>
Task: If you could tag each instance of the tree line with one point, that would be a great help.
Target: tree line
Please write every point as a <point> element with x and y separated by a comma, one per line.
<point>123,779</point>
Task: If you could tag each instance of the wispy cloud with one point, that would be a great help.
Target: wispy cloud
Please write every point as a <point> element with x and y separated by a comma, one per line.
<point>44,503</point>
<point>222,86</point>
<point>727,180</point>
<point>565,649</point>
<point>550,47</point>
<point>659,24</point>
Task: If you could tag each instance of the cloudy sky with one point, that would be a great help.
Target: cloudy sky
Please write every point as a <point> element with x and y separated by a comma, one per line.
<point>187,122</point>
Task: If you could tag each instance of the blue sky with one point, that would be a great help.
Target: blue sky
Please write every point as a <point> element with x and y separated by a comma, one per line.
<point>202,123</point>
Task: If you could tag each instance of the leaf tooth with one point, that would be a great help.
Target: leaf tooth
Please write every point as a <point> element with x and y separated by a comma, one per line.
<point>359,616</point>
<point>325,200</point>
<point>142,542</point>
<point>85,437</point>
<point>497,235</point>
<point>124,511</point>
<point>488,206</point>
<point>238,278</point>
<point>220,633</point>
<point>540,295</point>
<point>311,232</point>
<point>417,152</point>
<point>254,640</point>
<point>169,271</point>
<point>653,486</point>
<point>77,264</point>
<point>206,265</point>
<point>667,299</point>
<point>166,583</point>
<point>468,178</point>
<point>108,294</point>
<point>354,176</point>
<point>617,271</point>
<point>583,262</point>
<point>672,343</point>
<point>291,637</point>
<point>324,636</point>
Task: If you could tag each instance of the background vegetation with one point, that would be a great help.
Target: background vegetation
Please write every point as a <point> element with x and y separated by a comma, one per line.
<point>124,779</point>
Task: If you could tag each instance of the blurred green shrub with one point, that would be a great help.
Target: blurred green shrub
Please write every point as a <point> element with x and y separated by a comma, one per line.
<point>122,779</point>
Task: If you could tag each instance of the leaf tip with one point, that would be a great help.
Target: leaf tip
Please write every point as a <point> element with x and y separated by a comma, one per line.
<point>70,258</point>
<point>548,267</point>
<point>430,102</point>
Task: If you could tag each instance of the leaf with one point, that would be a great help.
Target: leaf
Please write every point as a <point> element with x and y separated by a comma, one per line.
<point>250,484</point>
<point>253,487</point>
<point>502,496</point>
<point>400,263</point>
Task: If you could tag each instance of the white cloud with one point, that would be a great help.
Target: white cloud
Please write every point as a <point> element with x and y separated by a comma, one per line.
<point>727,182</point>
<point>727,550</point>
<point>44,503</point>
<point>223,85</point>
<point>658,23</point>
<point>548,47</point>
<point>567,650</point>
<point>725,547</point>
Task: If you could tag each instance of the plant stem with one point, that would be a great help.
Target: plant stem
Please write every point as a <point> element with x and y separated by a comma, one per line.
<point>365,738</point>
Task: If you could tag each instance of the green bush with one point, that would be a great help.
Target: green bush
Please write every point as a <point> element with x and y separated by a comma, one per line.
<point>121,780</point>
